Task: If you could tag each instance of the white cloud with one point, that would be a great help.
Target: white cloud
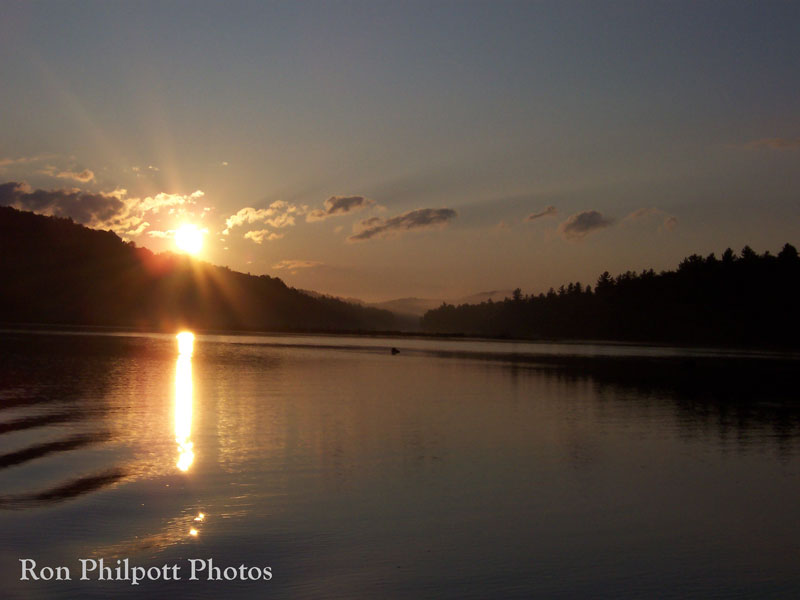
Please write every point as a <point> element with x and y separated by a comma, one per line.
<point>279,214</point>
<point>162,200</point>
<point>260,235</point>
<point>138,231</point>
<point>161,234</point>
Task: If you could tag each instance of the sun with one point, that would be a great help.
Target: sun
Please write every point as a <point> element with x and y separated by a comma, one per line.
<point>189,239</point>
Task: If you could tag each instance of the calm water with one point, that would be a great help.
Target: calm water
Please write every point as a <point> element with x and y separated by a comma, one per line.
<point>456,469</point>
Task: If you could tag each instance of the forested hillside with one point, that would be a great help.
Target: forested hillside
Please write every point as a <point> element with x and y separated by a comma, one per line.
<point>54,271</point>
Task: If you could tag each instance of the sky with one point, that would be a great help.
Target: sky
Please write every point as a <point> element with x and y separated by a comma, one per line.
<point>379,150</point>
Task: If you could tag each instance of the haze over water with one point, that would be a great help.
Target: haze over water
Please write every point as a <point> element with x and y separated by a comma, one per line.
<point>456,469</point>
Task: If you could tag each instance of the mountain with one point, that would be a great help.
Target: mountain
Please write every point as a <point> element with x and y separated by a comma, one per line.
<point>408,306</point>
<point>314,294</point>
<point>54,271</point>
<point>419,306</point>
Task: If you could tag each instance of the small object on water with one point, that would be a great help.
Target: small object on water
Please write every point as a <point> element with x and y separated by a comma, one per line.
<point>395,351</point>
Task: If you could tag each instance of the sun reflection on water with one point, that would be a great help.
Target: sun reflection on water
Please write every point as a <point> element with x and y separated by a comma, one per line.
<point>185,342</point>
<point>183,401</point>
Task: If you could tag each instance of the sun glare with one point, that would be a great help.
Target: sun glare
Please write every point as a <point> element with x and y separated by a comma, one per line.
<point>189,239</point>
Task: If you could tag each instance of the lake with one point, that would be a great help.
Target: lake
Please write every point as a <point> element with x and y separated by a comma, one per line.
<point>454,469</point>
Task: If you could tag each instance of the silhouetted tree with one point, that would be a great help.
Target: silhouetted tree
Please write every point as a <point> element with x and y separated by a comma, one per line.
<point>728,256</point>
<point>788,253</point>
<point>736,300</point>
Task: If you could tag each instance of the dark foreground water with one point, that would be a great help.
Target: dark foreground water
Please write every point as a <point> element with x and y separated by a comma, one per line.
<point>454,469</point>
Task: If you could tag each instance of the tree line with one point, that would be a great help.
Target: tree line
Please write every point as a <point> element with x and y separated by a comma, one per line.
<point>744,299</point>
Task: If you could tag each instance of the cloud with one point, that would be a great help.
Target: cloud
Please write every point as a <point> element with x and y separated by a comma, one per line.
<point>84,176</point>
<point>669,221</point>
<point>7,162</point>
<point>86,208</point>
<point>138,230</point>
<point>161,234</point>
<point>294,264</point>
<point>262,234</point>
<point>279,214</point>
<point>547,212</point>
<point>423,218</point>
<point>339,205</point>
<point>106,210</point>
<point>163,200</point>
<point>281,220</point>
<point>581,224</point>
<point>136,210</point>
<point>775,143</point>
<point>641,213</point>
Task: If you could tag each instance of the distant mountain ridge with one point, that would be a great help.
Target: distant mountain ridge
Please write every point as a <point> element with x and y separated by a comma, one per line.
<point>419,306</point>
<point>416,307</point>
<point>54,271</point>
